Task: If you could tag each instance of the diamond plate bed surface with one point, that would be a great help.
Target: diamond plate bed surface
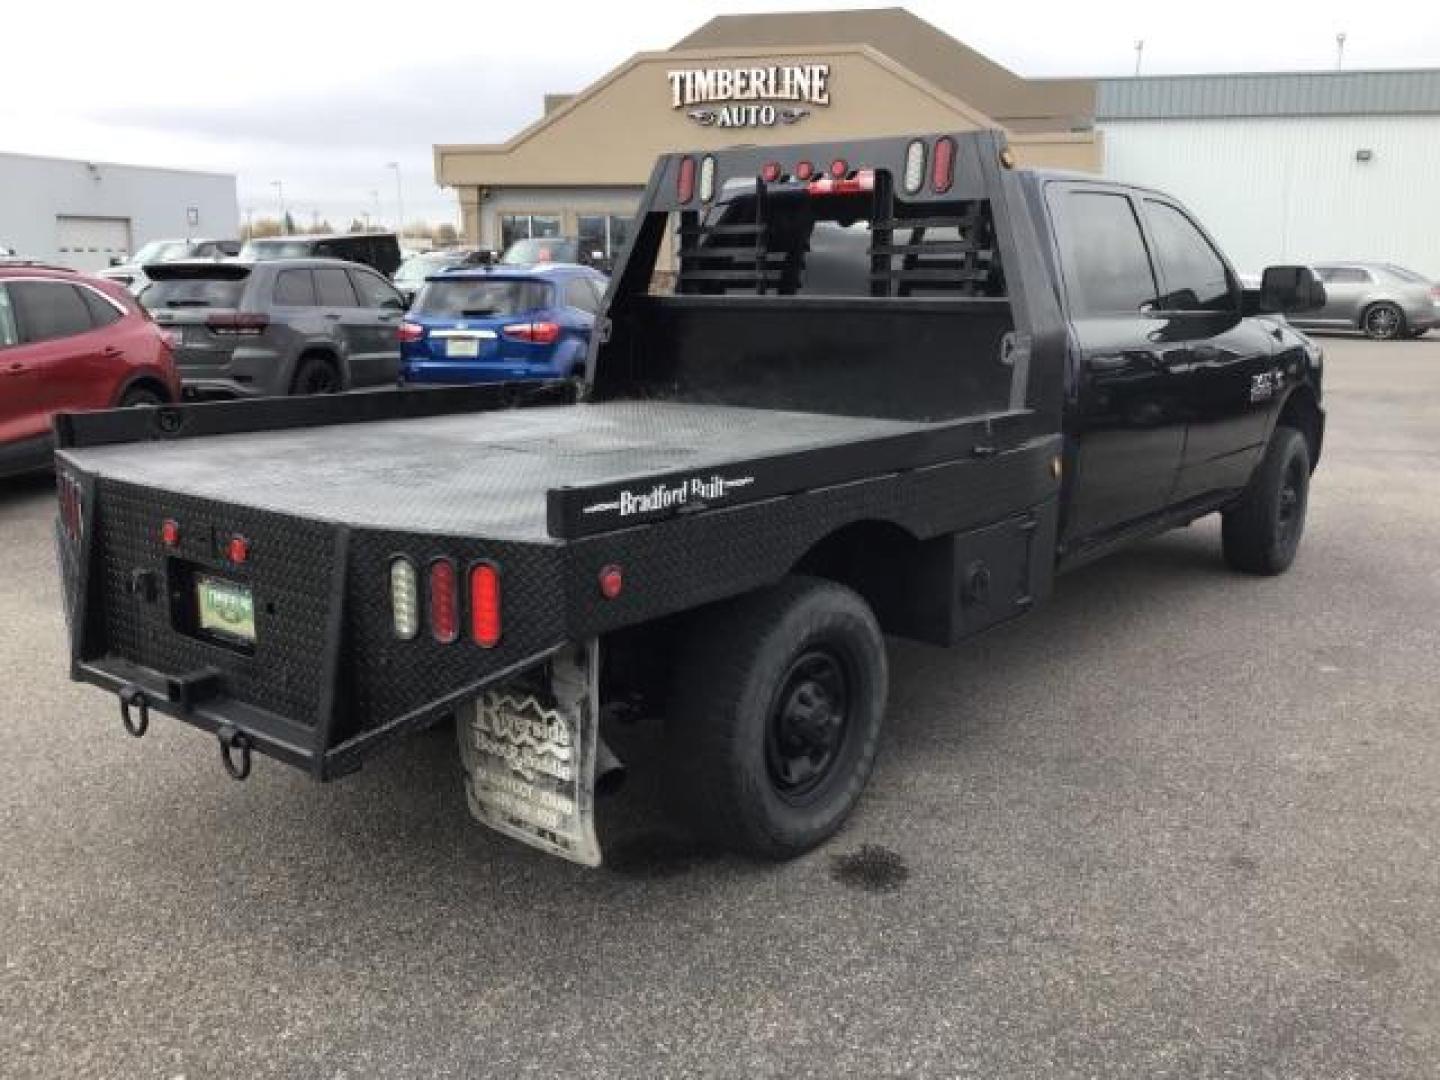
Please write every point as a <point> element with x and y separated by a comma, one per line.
<point>482,473</point>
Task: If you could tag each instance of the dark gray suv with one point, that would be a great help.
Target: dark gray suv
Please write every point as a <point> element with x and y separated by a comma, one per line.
<point>287,326</point>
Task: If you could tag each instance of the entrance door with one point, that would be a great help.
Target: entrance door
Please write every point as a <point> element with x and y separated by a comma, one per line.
<point>90,243</point>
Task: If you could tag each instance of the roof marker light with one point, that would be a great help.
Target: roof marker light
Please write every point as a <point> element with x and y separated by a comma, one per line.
<point>170,533</point>
<point>612,581</point>
<point>804,170</point>
<point>839,167</point>
<point>914,166</point>
<point>771,172</point>
<point>942,170</point>
<point>707,178</point>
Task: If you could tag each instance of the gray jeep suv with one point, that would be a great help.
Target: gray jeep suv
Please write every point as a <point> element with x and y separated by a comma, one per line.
<point>288,326</point>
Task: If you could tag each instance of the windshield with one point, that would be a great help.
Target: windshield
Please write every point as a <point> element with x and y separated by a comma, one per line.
<point>260,250</point>
<point>193,292</point>
<point>162,251</point>
<point>531,252</point>
<point>418,267</point>
<point>490,299</point>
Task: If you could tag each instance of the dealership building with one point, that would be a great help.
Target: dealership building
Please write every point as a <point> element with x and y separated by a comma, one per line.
<point>86,214</point>
<point>1280,167</point>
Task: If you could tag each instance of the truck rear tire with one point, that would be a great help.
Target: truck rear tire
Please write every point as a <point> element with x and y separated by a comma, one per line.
<point>1261,533</point>
<point>775,717</point>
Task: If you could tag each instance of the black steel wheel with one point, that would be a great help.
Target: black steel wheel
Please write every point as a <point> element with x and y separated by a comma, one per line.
<point>315,375</point>
<point>1383,322</point>
<point>774,718</point>
<point>1261,532</point>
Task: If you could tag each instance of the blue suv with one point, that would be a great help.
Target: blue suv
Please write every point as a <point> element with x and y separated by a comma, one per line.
<point>493,324</point>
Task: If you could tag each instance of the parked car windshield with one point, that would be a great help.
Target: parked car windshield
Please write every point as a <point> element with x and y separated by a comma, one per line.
<point>481,299</point>
<point>531,252</point>
<point>416,268</point>
<point>193,292</point>
<point>259,250</point>
<point>161,251</point>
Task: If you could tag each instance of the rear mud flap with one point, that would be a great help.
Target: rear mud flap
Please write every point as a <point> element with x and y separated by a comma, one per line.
<point>529,750</point>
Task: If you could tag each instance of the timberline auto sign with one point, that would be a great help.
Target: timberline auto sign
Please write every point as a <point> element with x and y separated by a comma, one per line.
<point>718,97</point>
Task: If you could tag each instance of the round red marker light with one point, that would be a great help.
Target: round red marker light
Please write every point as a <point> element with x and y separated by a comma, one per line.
<point>170,533</point>
<point>771,172</point>
<point>804,170</point>
<point>839,167</point>
<point>611,582</point>
<point>238,550</point>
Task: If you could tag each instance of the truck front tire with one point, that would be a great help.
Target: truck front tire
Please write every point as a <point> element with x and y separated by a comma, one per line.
<point>775,716</point>
<point>1261,532</point>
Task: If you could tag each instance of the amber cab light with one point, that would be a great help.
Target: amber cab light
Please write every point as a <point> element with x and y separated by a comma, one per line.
<point>485,605</point>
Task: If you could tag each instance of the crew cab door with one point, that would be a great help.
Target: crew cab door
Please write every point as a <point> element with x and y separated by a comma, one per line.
<point>1226,379</point>
<point>1124,423</point>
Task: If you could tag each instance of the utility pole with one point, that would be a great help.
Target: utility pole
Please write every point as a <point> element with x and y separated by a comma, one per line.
<point>1139,54</point>
<point>279,186</point>
<point>399,203</point>
<point>1340,50</point>
<point>375,197</point>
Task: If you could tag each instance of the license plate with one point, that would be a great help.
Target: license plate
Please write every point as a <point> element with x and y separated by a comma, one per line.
<point>225,608</point>
<point>463,347</point>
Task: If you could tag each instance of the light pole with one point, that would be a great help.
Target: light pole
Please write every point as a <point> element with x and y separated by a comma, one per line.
<point>279,186</point>
<point>1339,50</point>
<point>399,202</point>
<point>1139,54</point>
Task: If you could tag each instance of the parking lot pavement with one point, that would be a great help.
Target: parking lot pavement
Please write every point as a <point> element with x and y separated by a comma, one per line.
<point>1178,824</point>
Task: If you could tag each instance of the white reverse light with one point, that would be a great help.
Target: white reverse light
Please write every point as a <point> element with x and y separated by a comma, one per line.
<point>404,598</point>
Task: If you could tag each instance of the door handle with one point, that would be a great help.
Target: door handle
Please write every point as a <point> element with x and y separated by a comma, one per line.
<point>333,316</point>
<point>110,352</point>
<point>16,368</point>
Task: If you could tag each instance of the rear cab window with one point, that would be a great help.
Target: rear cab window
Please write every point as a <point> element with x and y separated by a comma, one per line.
<point>1106,265</point>
<point>486,298</point>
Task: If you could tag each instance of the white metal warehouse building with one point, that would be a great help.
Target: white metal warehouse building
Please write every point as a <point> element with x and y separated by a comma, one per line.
<point>1295,167</point>
<point>84,214</point>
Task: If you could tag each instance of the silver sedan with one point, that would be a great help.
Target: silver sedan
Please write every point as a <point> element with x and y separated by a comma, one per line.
<point>1382,300</point>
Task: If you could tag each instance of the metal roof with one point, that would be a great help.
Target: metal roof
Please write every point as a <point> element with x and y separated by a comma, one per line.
<point>1301,93</point>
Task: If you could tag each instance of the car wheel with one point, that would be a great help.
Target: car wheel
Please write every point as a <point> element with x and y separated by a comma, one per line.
<point>139,397</point>
<point>1261,533</point>
<point>315,375</point>
<point>775,717</point>
<point>1383,322</point>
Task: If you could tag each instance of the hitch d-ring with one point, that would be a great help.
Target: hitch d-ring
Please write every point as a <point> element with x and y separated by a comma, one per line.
<point>137,725</point>
<point>234,742</point>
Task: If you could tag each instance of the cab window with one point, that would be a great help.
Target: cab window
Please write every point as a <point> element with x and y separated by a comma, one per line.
<point>373,292</point>
<point>333,287</point>
<point>1194,274</point>
<point>1107,267</point>
<point>579,294</point>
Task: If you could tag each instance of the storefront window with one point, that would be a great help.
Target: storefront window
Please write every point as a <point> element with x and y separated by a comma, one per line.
<point>605,233</point>
<point>527,226</point>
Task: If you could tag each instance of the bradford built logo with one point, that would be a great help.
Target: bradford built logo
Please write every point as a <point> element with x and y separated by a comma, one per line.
<point>696,490</point>
<point>720,94</point>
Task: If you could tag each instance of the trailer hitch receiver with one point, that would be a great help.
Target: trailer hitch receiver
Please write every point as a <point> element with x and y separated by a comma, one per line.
<point>137,723</point>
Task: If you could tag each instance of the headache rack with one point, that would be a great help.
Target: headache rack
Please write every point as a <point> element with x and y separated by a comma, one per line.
<point>758,241</point>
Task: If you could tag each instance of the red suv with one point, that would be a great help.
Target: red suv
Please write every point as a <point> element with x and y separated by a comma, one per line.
<point>69,342</point>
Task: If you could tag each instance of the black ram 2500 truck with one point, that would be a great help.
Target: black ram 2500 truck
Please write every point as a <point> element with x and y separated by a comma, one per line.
<point>837,391</point>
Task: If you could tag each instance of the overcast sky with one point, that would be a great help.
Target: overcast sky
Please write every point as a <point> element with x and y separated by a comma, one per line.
<point>322,96</point>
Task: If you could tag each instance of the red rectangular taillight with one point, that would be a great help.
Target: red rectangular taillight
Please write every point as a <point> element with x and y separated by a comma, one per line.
<point>485,604</point>
<point>942,165</point>
<point>444,601</point>
<point>685,180</point>
<point>538,333</point>
<point>410,331</point>
<point>237,323</point>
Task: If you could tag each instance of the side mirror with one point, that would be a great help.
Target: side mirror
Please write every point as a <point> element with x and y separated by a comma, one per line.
<point>1290,289</point>
<point>394,303</point>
